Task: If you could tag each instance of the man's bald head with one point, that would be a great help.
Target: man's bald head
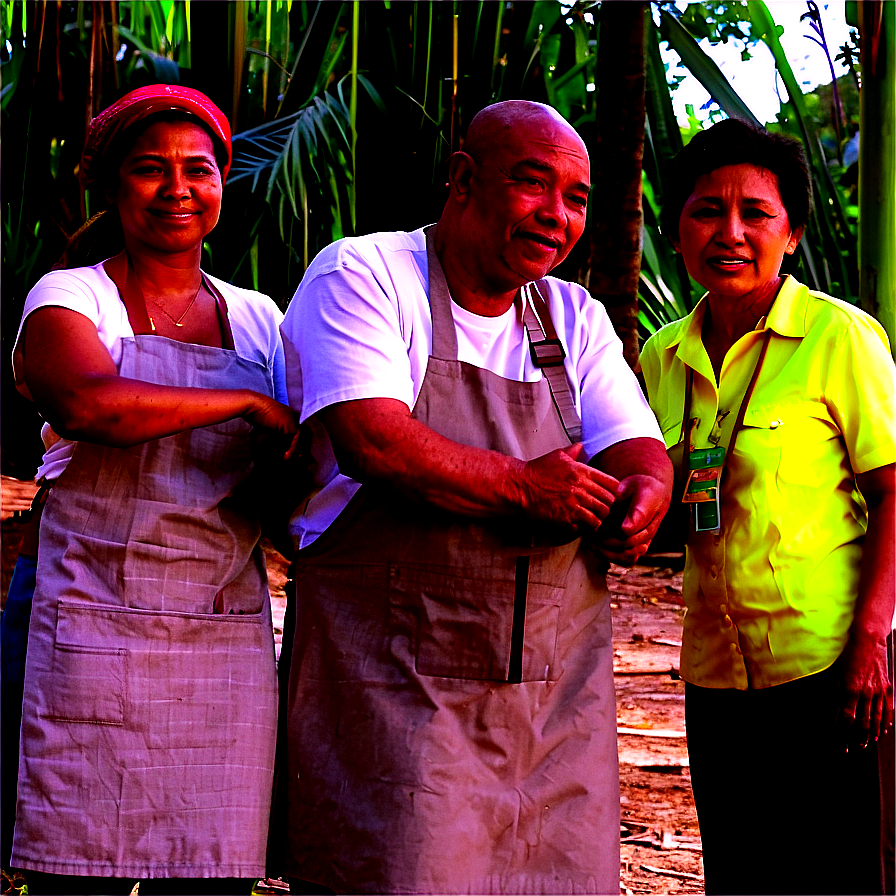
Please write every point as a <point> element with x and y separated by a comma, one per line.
<point>516,205</point>
<point>513,119</point>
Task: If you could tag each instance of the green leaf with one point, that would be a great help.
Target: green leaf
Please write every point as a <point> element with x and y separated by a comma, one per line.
<point>704,69</point>
<point>165,71</point>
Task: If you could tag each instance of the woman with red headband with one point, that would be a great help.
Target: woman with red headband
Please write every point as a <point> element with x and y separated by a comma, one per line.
<point>149,712</point>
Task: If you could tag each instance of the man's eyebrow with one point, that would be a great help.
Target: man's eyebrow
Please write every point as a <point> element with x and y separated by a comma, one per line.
<point>538,165</point>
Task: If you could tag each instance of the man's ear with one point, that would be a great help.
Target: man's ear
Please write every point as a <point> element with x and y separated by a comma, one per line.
<point>461,169</point>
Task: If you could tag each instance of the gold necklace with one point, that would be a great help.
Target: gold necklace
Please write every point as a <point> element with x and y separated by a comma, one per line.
<point>178,321</point>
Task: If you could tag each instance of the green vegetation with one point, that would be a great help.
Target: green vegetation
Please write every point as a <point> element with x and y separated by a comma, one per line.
<point>345,113</point>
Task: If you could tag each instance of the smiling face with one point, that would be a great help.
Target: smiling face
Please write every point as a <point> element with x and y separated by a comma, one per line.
<point>734,231</point>
<point>169,189</point>
<point>528,194</point>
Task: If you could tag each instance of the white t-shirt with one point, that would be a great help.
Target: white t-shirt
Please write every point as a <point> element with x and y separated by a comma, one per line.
<point>254,320</point>
<point>359,327</point>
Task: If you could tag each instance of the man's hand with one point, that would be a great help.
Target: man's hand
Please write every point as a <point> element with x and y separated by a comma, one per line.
<point>649,502</point>
<point>557,488</point>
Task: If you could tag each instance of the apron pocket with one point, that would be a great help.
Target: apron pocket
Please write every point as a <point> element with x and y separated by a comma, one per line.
<point>183,682</point>
<point>481,629</point>
<point>87,684</point>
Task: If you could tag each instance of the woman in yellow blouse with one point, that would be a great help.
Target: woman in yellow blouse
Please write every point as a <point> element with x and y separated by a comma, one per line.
<point>777,405</point>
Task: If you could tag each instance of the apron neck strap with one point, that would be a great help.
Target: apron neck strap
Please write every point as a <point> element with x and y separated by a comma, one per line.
<point>444,334</point>
<point>120,270</point>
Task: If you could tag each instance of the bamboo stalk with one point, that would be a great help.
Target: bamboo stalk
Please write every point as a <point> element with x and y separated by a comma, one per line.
<point>353,107</point>
<point>877,145</point>
<point>454,136</point>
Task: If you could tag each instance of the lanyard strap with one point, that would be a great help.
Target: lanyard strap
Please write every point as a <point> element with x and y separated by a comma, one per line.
<point>686,422</point>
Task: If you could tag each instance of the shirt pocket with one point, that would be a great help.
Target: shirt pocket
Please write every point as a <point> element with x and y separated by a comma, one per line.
<point>792,440</point>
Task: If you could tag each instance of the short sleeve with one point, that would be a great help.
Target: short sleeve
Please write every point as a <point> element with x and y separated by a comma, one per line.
<point>343,335</point>
<point>89,292</point>
<point>860,393</point>
<point>613,407</point>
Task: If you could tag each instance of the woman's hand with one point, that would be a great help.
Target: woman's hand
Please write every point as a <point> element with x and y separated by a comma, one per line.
<point>271,415</point>
<point>866,708</point>
<point>867,705</point>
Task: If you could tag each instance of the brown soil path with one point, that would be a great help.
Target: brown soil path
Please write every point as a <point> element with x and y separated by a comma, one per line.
<point>661,850</point>
<point>661,839</point>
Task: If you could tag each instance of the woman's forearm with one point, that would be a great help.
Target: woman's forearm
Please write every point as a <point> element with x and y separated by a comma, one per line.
<point>117,411</point>
<point>876,599</point>
<point>71,377</point>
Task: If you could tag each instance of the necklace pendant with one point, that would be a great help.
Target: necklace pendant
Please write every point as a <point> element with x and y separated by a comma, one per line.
<point>176,324</point>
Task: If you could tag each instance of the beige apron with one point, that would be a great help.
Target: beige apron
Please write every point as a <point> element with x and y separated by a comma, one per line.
<point>452,721</point>
<point>150,688</point>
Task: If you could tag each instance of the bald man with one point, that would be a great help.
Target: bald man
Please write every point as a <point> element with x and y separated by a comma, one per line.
<point>451,716</point>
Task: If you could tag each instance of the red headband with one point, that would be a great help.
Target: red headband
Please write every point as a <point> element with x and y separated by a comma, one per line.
<point>140,103</point>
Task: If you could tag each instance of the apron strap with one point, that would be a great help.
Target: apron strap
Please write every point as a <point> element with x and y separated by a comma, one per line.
<point>546,349</point>
<point>444,335</point>
<point>548,353</point>
<point>223,316</point>
<point>121,272</point>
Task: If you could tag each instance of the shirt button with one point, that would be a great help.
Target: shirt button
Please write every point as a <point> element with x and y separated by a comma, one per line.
<point>714,571</point>
<point>727,621</point>
<point>717,539</point>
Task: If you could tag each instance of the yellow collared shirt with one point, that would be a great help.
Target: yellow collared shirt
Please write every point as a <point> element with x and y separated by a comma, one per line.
<point>770,597</point>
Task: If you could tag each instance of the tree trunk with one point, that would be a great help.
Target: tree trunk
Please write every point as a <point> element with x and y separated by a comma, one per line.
<point>877,173</point>
<point>616,196</point>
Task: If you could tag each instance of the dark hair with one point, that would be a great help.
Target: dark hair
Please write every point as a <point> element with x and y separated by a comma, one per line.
<point>734,142</point>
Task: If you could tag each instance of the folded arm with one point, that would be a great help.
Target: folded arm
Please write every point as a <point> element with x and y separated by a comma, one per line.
<point>70,375</point>
<point>377,440</point>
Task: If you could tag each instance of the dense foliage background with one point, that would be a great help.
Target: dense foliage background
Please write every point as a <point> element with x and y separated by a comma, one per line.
<point>345,113</point>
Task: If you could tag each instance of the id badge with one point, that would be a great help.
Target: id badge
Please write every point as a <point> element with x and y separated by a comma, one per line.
<point>702,488</point>
<point>706,514</point>
<point>704,473</point>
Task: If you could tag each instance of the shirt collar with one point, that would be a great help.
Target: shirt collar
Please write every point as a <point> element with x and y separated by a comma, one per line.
<point>787,316</point>
<point>687,339</point>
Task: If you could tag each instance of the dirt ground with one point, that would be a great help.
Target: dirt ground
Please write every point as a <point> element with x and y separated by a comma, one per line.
<point>661,850</point>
